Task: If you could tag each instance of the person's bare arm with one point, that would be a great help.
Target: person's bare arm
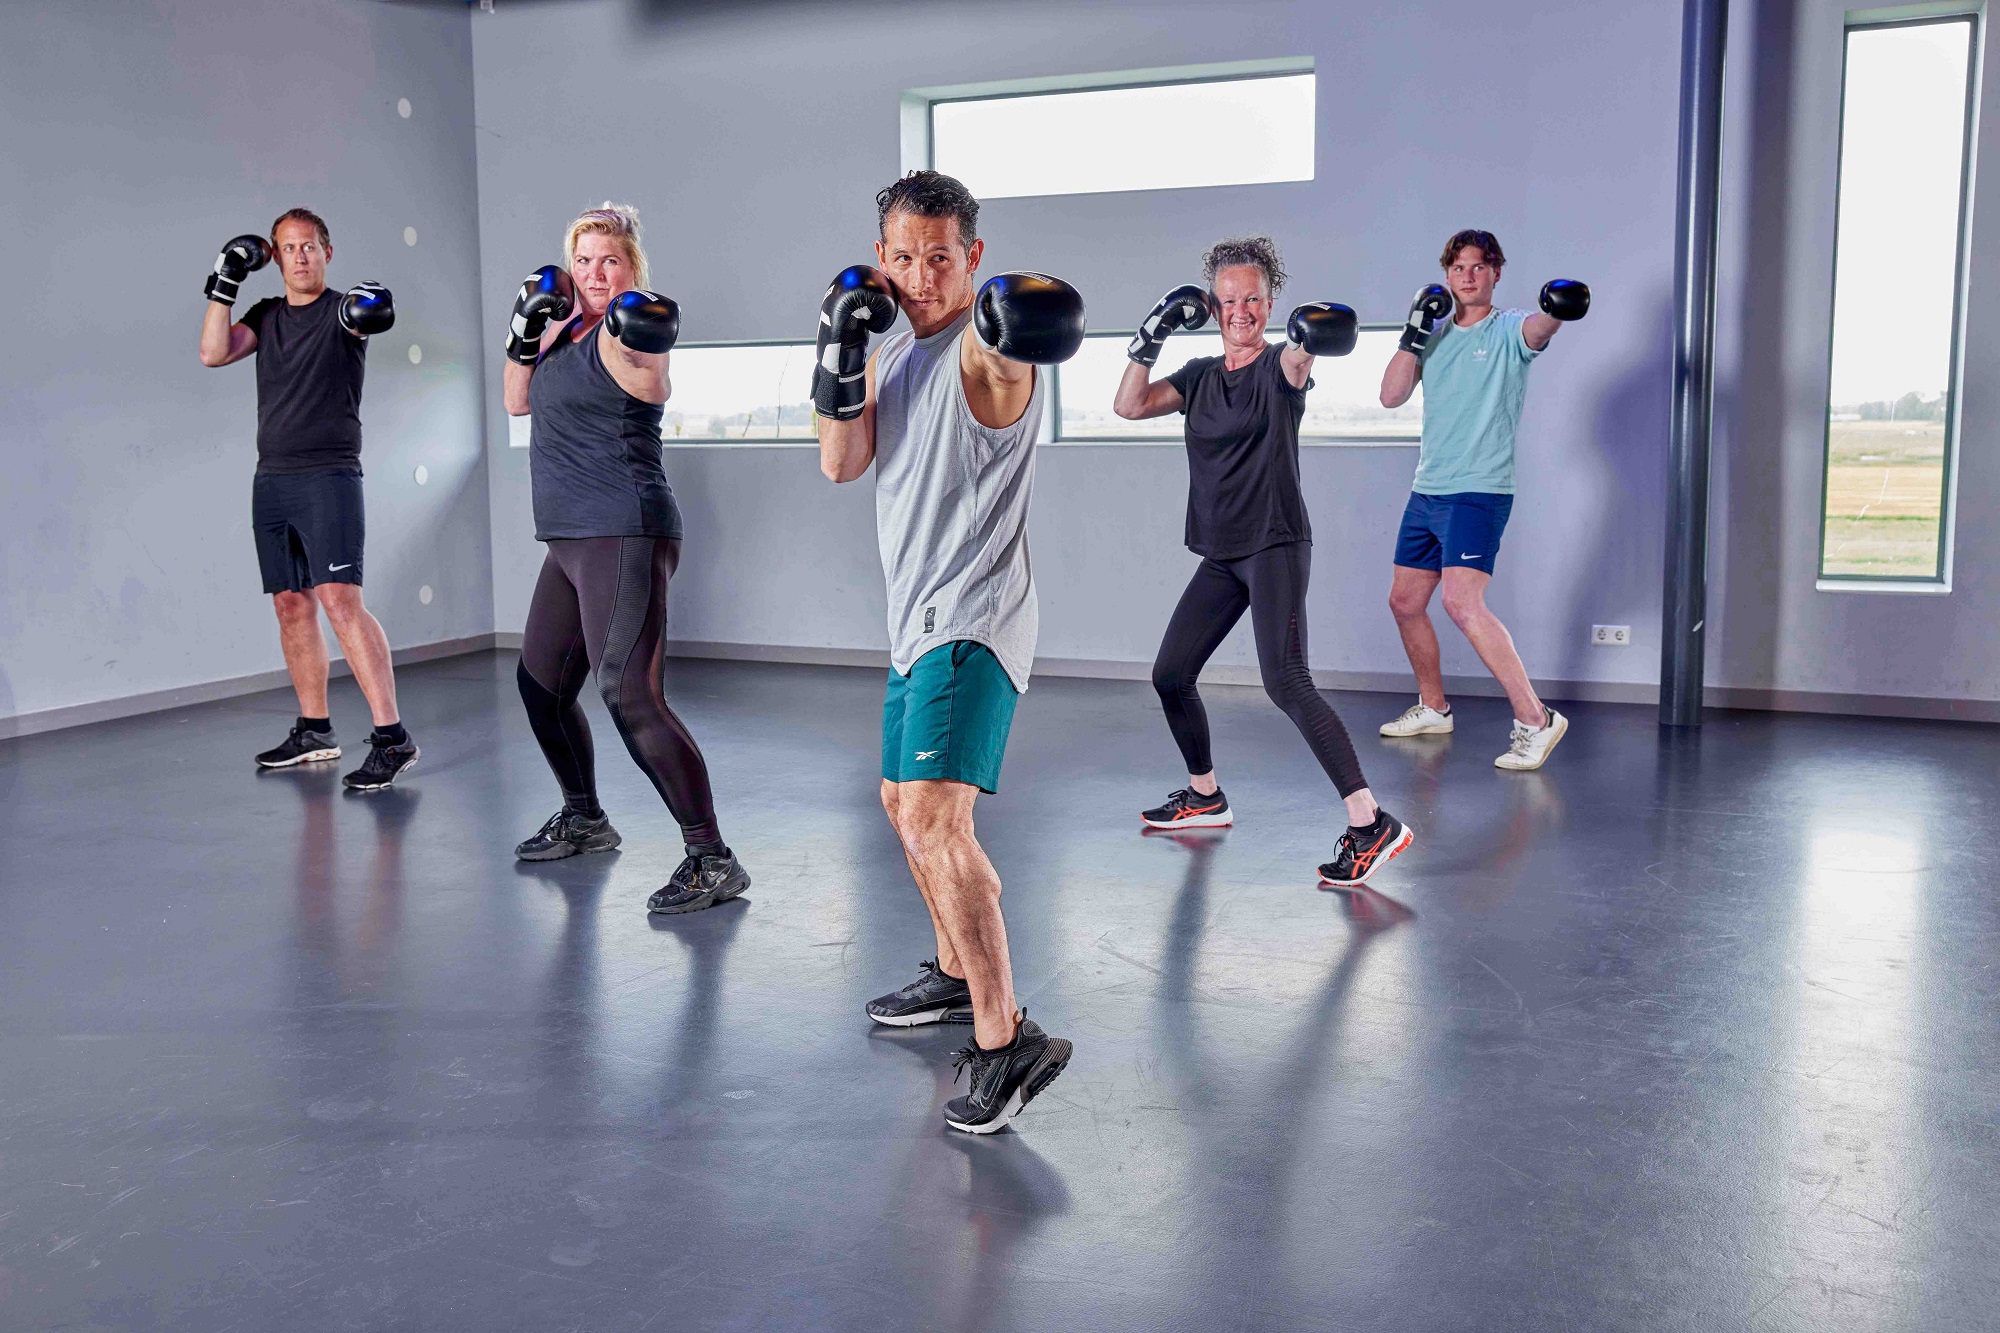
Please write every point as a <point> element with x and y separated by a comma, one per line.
<point>846,448</point>
<point>1297,363</point>
<point>515,377</point>
<point>641,374</point>
<point>1537,329</point>
<point>1399,381</point>
<point>1140,397</point>
<point>997,388</point>
<point>224,343</point>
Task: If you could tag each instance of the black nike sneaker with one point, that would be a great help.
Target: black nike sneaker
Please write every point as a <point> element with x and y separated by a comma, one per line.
<point>1188,808</point>
<point>301,747</point>
<point>700,881</point>
<point>1362,852</point>
<point>381,767</point>
<point>1005,1080</point>
<point>932,998</point>
<point>569,833</point>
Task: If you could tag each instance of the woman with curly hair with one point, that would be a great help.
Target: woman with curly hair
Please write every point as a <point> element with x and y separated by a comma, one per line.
<point>1246,519</point>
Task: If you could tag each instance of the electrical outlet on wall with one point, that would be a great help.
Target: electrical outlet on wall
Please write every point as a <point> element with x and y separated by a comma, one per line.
<point>1611,636</point>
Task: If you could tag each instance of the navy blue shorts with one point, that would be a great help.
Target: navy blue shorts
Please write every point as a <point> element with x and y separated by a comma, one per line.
<point>1462,529</point>
<point>309,528</point>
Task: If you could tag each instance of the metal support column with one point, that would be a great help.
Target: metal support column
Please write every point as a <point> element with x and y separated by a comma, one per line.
<point>1684,613</point>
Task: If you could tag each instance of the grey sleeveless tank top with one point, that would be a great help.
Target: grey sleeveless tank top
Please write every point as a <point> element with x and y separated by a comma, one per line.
<point>594,450</point>
<point>951,507</point>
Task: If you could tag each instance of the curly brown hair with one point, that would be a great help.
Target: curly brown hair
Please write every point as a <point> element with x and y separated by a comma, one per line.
<point>1245,251</point>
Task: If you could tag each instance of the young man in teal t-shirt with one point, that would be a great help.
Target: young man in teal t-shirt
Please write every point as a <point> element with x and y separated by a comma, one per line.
<point>1474,368</point>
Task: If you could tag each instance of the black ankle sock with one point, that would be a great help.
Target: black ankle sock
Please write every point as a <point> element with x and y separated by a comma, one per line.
<point>707,849</point>
<point>393,734</point>
<point>588,809</point>
<point>321,724</point>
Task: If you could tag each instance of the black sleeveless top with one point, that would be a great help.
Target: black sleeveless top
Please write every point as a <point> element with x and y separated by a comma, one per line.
<point>594,450</point>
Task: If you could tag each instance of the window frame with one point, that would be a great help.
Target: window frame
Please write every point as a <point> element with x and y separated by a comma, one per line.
<point>919,142</point>
<point>1939,580</point>
<point>1051,434</point>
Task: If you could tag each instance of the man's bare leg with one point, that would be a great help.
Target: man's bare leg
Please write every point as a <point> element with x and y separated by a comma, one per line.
<point>304,649</point>
<point>947,956</point>
<point>367,649</point>
<point>934,820</point>
<point>1465,603</point>
<point>1409,601</point>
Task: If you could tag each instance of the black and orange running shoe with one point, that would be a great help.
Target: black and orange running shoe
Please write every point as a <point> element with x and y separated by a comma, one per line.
<point>1188,808</point>
<point>1362,852</point>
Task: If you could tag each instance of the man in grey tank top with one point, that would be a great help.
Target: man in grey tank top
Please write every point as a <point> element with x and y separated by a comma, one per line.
<point>950,422</point>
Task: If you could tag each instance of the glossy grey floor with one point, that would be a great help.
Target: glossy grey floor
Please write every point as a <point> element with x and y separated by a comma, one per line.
<point>1693,1032</point>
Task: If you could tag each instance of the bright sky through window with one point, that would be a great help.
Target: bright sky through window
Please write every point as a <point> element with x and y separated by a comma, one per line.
<point>1161,137</point>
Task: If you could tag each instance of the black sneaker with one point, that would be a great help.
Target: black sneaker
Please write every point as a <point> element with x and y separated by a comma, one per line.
<point>301,747</point>
<point>1359,856</point>
<point>569,833</point>
<point>700,881</point>
<point>1005,1080</point>
<point>932,998</point>
<point>383,764</point>
<point>1188,808</point>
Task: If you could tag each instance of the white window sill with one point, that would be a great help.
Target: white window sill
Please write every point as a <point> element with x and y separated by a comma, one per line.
<point>1936,589</point>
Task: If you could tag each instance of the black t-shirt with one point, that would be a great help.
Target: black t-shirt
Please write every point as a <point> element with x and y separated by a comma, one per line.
<point>308,385</point>
<point>1243,455</point>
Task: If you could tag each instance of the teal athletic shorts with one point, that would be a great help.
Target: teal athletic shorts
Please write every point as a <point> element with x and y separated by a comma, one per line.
<point>948,719</point>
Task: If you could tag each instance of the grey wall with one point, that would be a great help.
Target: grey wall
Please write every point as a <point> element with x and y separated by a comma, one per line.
<point>752,138</point>
<point>139,137</point>
<point>1771,627</point>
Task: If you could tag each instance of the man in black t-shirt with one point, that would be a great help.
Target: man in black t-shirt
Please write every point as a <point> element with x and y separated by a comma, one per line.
<point>1246,518</point>
<point>311,346</point>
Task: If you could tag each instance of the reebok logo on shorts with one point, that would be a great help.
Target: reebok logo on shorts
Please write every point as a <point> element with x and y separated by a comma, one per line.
<point>929,754</point>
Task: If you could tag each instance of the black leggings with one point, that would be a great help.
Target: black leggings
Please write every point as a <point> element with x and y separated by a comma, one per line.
<point>1271,585</point>
<point>601,604</point>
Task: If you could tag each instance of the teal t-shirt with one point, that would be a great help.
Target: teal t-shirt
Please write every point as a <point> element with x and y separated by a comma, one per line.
<point>1474,380</point>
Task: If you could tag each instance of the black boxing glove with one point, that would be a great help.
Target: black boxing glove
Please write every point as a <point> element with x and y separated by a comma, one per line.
<point>547,294</point>
<point>1029,317</point>
<point>1323,328</point>
<point>861,301</point>
<point>1431,304</point>
<point>644,321</point>
<point>1185,307</point>
<point>238,260</point>
<point>1565,299</point>
<point>367,309</point>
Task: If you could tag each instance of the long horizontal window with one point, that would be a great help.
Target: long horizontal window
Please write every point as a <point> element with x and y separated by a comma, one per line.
<point>761,393</point>
<point>1344,405</point>
<point>1905,128</point>
<point>745,391</point>
<point>1163,136</point>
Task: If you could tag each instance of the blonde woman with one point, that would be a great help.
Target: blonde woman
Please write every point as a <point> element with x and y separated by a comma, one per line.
<point>587,358</point>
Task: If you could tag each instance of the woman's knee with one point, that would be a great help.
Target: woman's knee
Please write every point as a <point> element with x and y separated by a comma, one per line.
<point>1170,682</point>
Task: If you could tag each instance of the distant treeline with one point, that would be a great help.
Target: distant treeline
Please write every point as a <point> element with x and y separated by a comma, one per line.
<point>1910,407</point>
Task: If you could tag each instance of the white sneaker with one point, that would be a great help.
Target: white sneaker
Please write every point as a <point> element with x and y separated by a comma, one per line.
<point>1420,720</point>
<point>1530,747</point>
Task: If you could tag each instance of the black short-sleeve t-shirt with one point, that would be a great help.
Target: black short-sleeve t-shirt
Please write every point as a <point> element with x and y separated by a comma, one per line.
<point>308,385</point>
<point>1243,455</point>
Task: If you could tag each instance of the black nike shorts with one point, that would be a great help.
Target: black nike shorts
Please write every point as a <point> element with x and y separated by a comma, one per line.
<point>309,528</point>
